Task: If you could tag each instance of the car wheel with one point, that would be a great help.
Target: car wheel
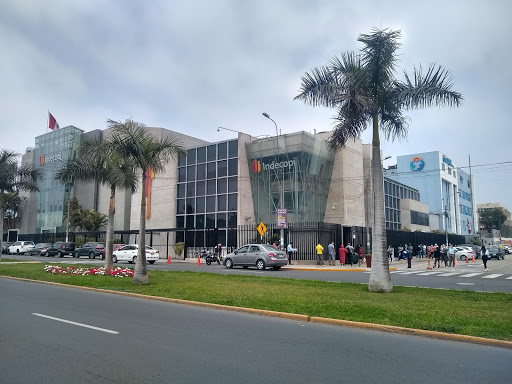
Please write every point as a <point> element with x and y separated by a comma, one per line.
<point>260,264</point>
<point>152,262</point>
<point>134,260</point>
<point>76,255</point>
<point>463,257</point>
<point>114,259</point>
<point>61,254</point>
<point>91,255</point>
<point>17,251</point>
<point>229,263</point>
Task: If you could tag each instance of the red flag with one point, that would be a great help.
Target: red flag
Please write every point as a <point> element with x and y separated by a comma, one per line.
<point>52,123</point>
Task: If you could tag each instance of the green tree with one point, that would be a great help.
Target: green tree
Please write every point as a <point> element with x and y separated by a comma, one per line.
<point>363,89</point>
<point>92,220</point>
<point>12,203</point>
<point>132,141</point>
<point>101,163</point>
<point>14,178</point>
<point>492,218</point>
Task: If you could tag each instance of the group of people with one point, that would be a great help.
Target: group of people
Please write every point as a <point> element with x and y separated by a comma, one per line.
<point>345,254</point>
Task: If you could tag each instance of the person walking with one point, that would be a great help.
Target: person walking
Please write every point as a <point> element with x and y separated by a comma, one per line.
<point>484,252</point>
<point>342,254</point>
<point>451,255</point>
<point>361,254</point>
<point>391,251</point>
<point>320,254</point>
<point>409,256</point>
<point>350,252</point>
<point>437,257</point>
<point>289,250</point>
<point>332,254</point>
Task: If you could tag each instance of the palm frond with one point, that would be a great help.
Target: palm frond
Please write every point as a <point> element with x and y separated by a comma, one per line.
<point>434,88</point>
<point>351,121</point>
<point>320,88</point>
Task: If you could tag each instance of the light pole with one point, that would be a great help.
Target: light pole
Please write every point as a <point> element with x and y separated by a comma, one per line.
<point>278,180</point>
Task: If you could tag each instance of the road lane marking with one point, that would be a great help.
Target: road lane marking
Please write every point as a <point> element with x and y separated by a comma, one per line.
<point>428,273</point>
<point>408,273</point>
<point>509,278</point>
<point>449,274</point>
<point>75,323</point>
<point>465,283</point>
<point>471,275</point>
<point>493,276</point>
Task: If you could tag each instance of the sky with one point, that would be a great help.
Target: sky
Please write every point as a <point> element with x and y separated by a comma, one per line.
<point>194,66</point>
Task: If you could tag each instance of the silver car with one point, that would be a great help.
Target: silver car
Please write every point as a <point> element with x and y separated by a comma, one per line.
<point>257,255</point>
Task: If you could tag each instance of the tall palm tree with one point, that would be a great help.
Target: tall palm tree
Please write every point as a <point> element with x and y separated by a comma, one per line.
<point>14,178</point>
<point>133,141</point>
<point>101,163</point>
<point>362,87</point>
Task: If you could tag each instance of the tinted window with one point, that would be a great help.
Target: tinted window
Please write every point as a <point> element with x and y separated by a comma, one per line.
<point>191,156</point>
<point>211,152</point>
<point>222,150</point>
<point>201,154</point>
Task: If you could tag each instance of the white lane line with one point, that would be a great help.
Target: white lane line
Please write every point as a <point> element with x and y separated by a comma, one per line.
<point>465,284</point>
<point>75,323</point>
<point>408,273</point>
<point>471,275</point>
<point>509,278</point>
<point>493,276</point>
<point>428,273</point>
<point>449,274</point>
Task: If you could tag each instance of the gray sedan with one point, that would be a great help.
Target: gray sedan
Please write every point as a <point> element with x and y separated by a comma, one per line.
<point>257,255</point>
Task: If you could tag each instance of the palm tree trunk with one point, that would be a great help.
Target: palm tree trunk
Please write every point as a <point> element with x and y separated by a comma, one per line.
<point>140,275</point>
<point>380,278</point>
<point>110,229</point>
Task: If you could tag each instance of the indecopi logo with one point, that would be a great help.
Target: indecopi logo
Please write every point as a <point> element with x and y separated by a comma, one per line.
<point>41,160</point>
<point>417,163</point>
<point>256,166</point>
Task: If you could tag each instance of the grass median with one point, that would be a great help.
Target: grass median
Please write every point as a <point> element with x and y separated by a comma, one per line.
<point>460,312</point>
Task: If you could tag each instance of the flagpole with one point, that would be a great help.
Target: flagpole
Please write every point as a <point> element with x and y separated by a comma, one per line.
<point>47,121</point>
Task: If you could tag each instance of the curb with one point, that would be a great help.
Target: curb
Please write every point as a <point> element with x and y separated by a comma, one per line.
<point>331,269</point>
<point>296,317</point>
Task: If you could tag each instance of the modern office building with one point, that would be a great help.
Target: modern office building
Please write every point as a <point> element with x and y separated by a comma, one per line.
<point>446,189</point>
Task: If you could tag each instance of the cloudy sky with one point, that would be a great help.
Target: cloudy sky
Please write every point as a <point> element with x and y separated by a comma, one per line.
<point>196,65</point>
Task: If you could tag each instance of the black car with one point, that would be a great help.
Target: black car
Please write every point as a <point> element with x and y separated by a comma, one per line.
<point>91,249</point>
<point>60,248</point>
<point>39,249</point>
<point>496,252</point>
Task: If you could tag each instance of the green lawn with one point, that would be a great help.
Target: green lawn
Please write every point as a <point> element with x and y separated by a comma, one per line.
<point>453,311</point>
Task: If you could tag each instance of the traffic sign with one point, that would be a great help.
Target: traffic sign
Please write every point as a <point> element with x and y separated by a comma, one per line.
<point>262,229</point>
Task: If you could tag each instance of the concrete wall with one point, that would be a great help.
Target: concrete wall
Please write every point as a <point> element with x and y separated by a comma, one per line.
<point>345,202</point>
<point>245,202</point>
<point>408,205</point>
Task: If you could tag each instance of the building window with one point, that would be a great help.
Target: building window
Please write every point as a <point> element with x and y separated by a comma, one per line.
<point>443,166</point>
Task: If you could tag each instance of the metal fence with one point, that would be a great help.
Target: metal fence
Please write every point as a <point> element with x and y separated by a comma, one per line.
<point>396,238</point>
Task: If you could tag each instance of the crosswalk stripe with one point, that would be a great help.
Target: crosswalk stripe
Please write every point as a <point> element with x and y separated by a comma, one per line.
<point>408,272</point>
<point>428,273</point>
<point>493,276</point>
<point>449,274</point>
<point>509,278</point>
<point>471,275</point>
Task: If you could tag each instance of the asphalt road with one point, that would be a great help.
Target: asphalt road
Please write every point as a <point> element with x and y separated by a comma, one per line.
<point>158,342</point>
<point>466,276</point>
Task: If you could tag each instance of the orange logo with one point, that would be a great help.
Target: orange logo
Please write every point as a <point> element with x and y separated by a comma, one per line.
<point>256,166</point>
<point>41,160</point>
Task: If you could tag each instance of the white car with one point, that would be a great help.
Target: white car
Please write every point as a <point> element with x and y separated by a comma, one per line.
<point>21,247</point>
<point>463,252</point>
<point>129,253</point>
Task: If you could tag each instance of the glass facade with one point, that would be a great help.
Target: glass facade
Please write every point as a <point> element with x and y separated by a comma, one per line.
<point>52,151</point>
<point>207,194</point>
<point>393,193</point>
<point>294,180</point>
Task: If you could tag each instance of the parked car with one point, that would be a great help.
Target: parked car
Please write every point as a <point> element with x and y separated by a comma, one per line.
<point>39,249</point>
<point>6,245</point>
<point>476,249</point>
<point>505,248</point>
<point>496,252</point>
<point>129,253</point>
<point>115,248</point>
<point>91,249</point>
<point>61,248</point>
<point>256,255</point>
<point>462,252</point>
<point>21,247</point>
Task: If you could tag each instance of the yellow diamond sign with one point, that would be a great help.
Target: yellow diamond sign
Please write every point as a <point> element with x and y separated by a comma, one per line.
<point>262,229</point>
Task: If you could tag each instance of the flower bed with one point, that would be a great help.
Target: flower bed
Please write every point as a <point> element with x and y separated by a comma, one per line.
<point>119,272</point>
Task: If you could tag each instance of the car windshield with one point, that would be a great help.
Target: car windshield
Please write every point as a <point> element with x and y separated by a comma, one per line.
<point>269,248</point>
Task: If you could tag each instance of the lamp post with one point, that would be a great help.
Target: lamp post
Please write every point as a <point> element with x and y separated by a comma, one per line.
<point>280,183</point>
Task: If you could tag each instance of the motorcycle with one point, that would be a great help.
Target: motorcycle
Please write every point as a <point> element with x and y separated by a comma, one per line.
<point>211,257</point>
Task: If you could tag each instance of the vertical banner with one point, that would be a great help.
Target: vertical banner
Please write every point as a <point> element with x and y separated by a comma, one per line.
<point>282,218</point>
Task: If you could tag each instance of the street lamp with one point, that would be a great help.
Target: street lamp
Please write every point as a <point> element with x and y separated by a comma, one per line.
<point>280,183</point>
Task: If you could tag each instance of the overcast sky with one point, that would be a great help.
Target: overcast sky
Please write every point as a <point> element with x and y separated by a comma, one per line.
<point>196,65</point>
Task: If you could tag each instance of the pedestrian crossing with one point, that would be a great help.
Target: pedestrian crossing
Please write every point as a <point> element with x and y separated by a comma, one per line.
<point>461,274</point>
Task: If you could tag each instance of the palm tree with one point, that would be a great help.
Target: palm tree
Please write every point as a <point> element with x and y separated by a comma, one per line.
<point>363,89</point>
<point>133,141</point>
<point>14,178</point>
<point>101,163</point>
